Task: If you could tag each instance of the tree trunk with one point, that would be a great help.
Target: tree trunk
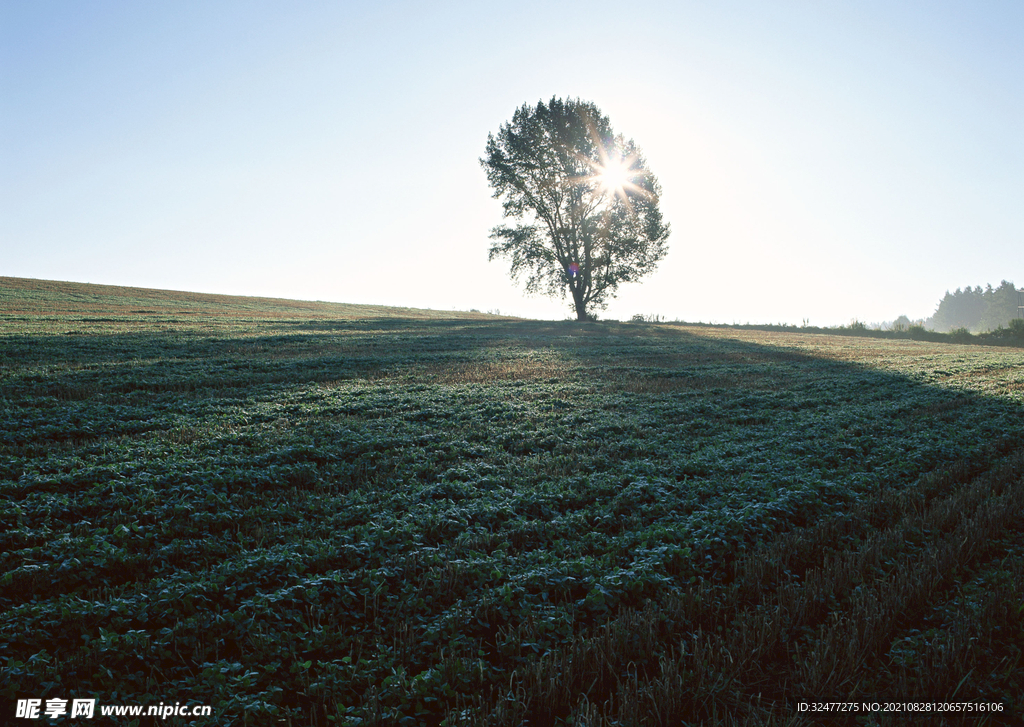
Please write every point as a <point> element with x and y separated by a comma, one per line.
<point>581,307</point>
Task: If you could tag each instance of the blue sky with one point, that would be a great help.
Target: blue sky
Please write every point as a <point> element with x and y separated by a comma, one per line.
<point>820,161</point>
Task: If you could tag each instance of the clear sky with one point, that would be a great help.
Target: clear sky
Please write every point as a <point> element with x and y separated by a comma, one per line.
<point>819,160</point>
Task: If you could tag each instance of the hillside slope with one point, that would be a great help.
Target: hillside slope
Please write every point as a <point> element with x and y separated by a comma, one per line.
<point>26,299</point>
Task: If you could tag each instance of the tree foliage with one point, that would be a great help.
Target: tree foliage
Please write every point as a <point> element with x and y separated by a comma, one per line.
<point>976,309</point>
<point>584,203</point>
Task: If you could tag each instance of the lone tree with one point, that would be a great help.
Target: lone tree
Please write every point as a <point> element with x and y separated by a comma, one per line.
<point>585,203</point>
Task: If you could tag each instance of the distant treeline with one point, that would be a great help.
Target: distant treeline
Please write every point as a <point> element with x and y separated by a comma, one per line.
<point>1011,335</point>
<point>975,309</point>
<point>972,315</point>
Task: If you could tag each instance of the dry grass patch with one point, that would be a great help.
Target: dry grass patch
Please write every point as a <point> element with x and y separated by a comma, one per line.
<point>486,372</point>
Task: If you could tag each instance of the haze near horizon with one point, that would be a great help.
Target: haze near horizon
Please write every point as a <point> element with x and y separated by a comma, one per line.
<point>821,163</point>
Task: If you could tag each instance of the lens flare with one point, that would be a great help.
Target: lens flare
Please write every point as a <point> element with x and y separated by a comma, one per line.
<point>614,175</point>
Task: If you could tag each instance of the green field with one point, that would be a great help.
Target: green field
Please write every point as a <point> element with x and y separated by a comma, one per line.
<point>307,513</point>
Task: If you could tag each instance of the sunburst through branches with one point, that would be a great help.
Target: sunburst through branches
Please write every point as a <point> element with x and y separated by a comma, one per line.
<point>614,174</point>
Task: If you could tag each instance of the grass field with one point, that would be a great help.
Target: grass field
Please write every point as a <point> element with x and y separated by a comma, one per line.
<point>304,513</point>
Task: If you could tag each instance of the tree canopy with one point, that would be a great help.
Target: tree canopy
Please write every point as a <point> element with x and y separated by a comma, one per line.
<point>583,200</point>
<point>976,309</point>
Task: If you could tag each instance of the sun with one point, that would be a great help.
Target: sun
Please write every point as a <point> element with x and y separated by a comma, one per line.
<point>614,175</point>
<point>615,179</point>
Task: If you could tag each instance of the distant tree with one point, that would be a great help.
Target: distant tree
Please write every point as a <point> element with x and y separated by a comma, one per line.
<point>976,309</point>
<point>1000,306</point>
<point>961,309</point>
<point>585,204</point>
